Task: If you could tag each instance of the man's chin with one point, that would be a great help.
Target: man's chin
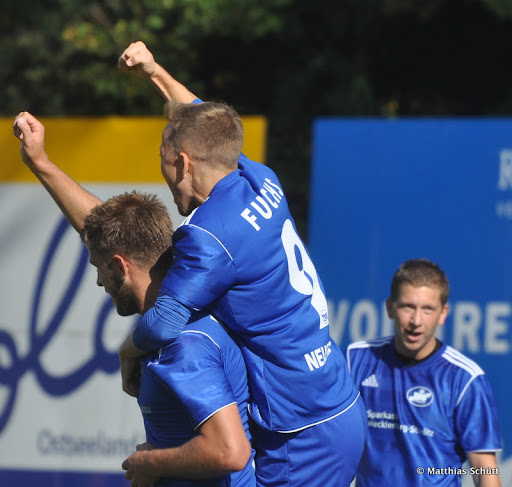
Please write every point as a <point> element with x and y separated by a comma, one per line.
<point>126,310</point>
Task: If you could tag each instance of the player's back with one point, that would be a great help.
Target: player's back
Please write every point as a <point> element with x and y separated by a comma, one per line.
<point>239,255</point>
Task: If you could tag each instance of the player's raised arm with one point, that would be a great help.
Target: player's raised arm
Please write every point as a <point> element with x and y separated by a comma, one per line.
<point>139,60</point>
<point>73,200</point>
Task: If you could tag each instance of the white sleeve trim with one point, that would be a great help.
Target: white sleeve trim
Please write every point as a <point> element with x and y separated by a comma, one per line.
<point>465,389</point>
<point>197,332</point>
<point>492,450</point>
<point>215,412</point>
<point>212,235</point>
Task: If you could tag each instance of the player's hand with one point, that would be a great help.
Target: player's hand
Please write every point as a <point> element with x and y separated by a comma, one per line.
<point>146,446</point>
<point>138,469</point>
<point>130,374</point>
<point>30,131</point>
<point>137,59</point>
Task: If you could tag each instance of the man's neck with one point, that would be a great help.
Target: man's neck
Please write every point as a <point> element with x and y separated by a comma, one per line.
<point>148,298</point>
<point>208,180</point>
<point>411,361</point>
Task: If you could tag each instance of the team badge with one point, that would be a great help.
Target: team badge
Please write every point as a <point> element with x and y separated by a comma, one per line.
<point>420,396</point>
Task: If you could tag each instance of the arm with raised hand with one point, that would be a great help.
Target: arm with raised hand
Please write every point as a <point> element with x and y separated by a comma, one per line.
<point>139,60</point>
<point>73,200</point>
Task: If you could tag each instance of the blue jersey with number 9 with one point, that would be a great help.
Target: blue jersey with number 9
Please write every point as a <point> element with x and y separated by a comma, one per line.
<point>239,256</point>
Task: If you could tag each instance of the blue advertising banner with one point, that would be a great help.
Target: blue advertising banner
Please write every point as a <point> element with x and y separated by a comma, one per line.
<point>384,191</point>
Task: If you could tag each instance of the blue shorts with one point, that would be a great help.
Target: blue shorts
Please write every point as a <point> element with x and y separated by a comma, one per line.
<point>324,455</point>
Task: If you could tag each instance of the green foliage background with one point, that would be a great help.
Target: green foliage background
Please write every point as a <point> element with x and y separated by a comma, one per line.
<point>290,60</point>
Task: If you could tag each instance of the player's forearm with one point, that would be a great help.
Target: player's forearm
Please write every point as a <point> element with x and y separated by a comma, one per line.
<point>485,480</point>
<point>170,88</point>
<point>129,350</point>
<point>196,459</point>
<point>161,324</point>
<point>484,469</point>
<point>72,199</point>
<point>220,448</point>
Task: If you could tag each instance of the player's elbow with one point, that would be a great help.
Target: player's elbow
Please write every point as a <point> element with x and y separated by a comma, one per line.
<point>234,457</point>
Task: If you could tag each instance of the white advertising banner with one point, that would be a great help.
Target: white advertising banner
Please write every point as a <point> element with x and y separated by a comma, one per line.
<point>64,419</point>
<point>62,406</point>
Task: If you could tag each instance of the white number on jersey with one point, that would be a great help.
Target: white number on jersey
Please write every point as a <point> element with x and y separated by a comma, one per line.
<point>302,272</point>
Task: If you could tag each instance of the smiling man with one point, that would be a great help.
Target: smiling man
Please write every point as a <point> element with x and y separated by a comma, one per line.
<point>429,407</point>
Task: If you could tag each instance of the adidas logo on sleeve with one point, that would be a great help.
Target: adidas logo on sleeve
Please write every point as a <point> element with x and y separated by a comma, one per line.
<point>370,381</point>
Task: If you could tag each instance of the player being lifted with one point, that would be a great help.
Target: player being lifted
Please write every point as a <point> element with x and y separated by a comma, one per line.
<point>239,256</point>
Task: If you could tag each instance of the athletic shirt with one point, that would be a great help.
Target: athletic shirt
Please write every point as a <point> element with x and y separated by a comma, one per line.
<point>187,382</point>
<point>239,256</point>
<point>428,415</point>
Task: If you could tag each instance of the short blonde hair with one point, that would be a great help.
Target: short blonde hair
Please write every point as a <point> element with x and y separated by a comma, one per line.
<point>420,272</point>
<point>208,132</point>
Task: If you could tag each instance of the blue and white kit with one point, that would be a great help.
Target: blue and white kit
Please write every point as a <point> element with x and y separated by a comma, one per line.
<point>187,382</point>
<point>427,415</point>
<point>238,256</point>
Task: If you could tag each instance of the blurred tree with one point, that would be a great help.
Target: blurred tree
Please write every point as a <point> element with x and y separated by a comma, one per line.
<point>291,60</point>
<point>63,57</point>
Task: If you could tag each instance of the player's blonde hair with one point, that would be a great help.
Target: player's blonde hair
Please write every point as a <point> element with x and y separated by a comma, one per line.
<point>208,132</point>
<point>420,272</point>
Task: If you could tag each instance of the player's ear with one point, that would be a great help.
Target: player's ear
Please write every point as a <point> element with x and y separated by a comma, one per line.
<point>120,264</point>
<point>188,164</point>
<point>389,308</point>
<point>444,314</point>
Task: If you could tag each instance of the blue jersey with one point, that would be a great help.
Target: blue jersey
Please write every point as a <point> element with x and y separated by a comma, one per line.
<point>239,256</point>
<point>188,381</point>
<point>427,415</point>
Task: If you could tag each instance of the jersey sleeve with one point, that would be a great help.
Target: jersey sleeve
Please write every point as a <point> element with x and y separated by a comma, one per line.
<point>161,324</point>
<point>476,417</point>
<point>192,367</point>
<point>203,269</point>
<point>353,356</point>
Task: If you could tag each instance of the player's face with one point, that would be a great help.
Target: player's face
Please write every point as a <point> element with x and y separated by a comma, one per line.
<point>171,166</point>
<point>112,279</point>
<point>416,313</point>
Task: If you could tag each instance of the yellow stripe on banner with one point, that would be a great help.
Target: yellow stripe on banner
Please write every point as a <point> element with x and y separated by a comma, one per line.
<point>109,149</point>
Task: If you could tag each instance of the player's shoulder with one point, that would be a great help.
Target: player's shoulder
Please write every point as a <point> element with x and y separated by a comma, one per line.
<point>207,328</point>
<point>259,176</point>
<point>246,164</point>
<point>222,205</point>
<point>367,351</point>
<point>197,340</point>
<point>205,325</point>
<point>459,362</point>
<point>204,224</point>
<point>364,345</point>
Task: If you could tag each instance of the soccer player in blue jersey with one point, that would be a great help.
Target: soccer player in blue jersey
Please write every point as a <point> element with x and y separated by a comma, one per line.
<point>429,407</point>
<point>238,256</point>
<point>193,393</point>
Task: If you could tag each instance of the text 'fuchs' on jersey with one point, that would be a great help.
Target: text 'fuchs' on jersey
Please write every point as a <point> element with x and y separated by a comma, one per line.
<point>271,196</point>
